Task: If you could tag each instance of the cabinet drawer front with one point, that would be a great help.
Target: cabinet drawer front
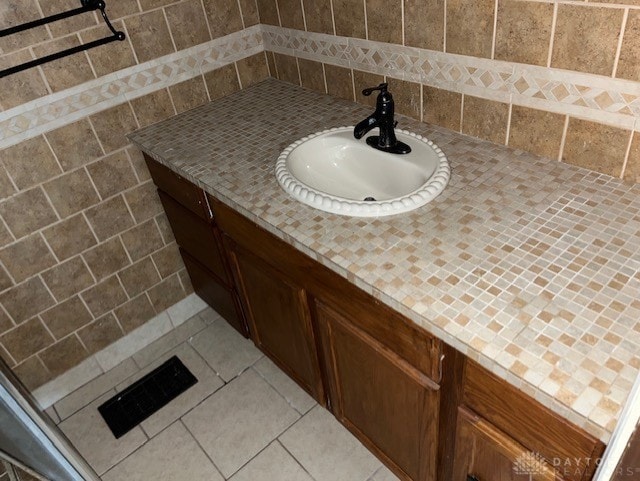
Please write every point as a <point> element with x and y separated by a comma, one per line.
<point>390,405</point>
<point>195,236</point>
<point>530,423</point>
<point>216,295</point>
<point>483,453</point>
<point>183,191</point>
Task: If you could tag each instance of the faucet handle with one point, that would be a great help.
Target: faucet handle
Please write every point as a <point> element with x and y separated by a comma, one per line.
<point>382,88</point>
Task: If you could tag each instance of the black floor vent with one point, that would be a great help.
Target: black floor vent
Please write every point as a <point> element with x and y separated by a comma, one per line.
<point>127,409</point>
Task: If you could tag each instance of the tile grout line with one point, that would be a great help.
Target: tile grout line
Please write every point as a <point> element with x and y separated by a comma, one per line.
<point>554,21</point>
<point>623,27</point>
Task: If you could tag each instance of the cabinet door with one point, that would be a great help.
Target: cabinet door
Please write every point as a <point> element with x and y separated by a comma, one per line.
<point>279,319</point>
<point>483,453</point>
<point>387,403</point>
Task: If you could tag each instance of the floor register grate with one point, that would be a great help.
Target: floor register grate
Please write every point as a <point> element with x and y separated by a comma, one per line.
<point>127,409</point>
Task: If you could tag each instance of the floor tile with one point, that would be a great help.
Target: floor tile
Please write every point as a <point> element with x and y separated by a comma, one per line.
<point>274,463</point>
<point>90,435</point>
<point>171,456</point>
<point>53,415</point>
<point>384,474</point>
<point>208,383</point>
<point>209,316</point>
<point>324,447</point>
<point>169,341</point>
<point>294,394</point>
<point>237,422</point>
<point>226,351</point>
<point>95,388</point>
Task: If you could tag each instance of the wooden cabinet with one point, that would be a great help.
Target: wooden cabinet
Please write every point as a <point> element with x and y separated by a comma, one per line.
<point>388,403</point>
<point>484,453</point>
<point>279,319</point>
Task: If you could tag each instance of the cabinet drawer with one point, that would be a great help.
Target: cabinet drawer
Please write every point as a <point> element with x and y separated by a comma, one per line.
<point>195,236</point>
<point>183,191</point>
<point>530,423</point>
<point>219,297</point>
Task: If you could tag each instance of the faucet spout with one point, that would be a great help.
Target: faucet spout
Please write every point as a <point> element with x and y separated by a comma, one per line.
<point>365,126</point>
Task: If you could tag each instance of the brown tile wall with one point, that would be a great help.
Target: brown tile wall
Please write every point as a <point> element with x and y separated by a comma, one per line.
<point>86,255</point>
<point>590,37</point>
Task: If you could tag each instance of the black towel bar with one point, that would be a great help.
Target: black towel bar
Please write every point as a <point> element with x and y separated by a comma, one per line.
<point>87,6</point>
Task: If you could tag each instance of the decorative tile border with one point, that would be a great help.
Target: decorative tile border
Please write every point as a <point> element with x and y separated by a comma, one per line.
<point>62,108</point>
<point>610,101</point>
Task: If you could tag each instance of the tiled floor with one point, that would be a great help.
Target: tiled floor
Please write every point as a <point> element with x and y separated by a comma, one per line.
<point>243,421</point>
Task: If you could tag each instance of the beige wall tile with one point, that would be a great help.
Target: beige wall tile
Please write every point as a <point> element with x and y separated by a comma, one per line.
<point>100,333</point>
<point>470,27</point>
<point>68,25</point>
<point>26,300</point>
<point>149,35</point>
<point>187,23</point>
<point>69,237</point>
<point>224,17</point>
<point>32,373</point>
<point>384,21</point>
<point>109,217</point>
<point>144,202</point>
<point>30,162</point>
<point>68,278</point>
<point>363,80</point>
<point>105,296</point>
<point>317,13</point>
<point>63,355</point>
<point>536,131</point>
<point>595,146</point>
<point>153,107</point>
<point>151,4</point>
<point>5,280</point>
<point>66,317</point>
<point>23,86</point>
<point>111,57</point>
<point>185,281</point>
<point>5,322</point>
<point>27,257</point>
<point>271,63</point>
<point>287,68</point>
<point>66,72</point>
<point>632,170</point>
<point>122,8</point>
<point>268,12</point>
<point>424,24</point>
<point>222,81</point>
<point>139,165</point>
<point>112,174</point>
<point>71,193</point>
<point>166,294</point>
<point>586,38</point>
<point>442,107</point>
<point>349,18</point>
<point>523,31</point>
<point>106,258</point>
<point>27,212</point>
<point>167,260</point>
<point>189,94</point>
<point>249,12</point>
<point>112,125</point>
<point>165,228</point>
<point>291,14</point>
<point>339,81</point>
<point>406,96</point>
<point>628,65</point>
<point>311,75</point>
<point>70,152</point>
<point>16,12</point>
<point>139,277</point>
<point>135,313</point>
<point>485,119</point>
<point>26,339</point>
<point>6,187</point>
<point>142,240</point>
<point>252,70</point>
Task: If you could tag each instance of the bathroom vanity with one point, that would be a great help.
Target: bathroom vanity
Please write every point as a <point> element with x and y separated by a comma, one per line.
<point>402,326</point>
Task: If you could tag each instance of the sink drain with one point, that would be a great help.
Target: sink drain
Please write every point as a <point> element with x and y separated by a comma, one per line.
<point>369,199</point>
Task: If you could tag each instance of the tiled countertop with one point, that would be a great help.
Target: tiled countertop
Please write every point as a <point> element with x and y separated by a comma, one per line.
<point>529,266</point>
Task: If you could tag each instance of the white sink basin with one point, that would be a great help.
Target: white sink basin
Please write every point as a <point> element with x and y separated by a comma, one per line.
<point>334,172</point>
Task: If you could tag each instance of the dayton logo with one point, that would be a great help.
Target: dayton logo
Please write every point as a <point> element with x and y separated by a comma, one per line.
<point>530,463</point>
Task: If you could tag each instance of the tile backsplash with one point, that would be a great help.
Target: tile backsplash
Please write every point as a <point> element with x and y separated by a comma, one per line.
<point>86,254</point>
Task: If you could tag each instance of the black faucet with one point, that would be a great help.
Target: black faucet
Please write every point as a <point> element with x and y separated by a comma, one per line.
<point>382,118</point>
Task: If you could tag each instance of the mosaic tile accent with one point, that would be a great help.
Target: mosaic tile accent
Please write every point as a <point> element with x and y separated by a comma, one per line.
<point>59,109</point>
<point>528,266</point>
<point>606,100</point>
